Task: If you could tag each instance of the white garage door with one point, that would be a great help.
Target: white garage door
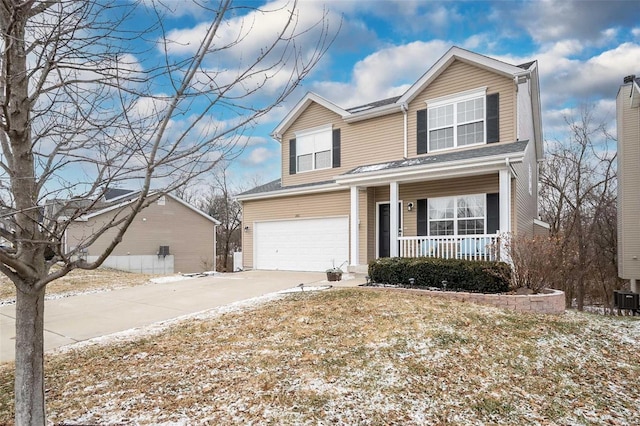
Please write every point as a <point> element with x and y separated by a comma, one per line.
<point>301,245</point>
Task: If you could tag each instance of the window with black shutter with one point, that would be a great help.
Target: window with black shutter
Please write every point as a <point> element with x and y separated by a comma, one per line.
<point>336,148</point>
<point>493,118</point>
<point>493,213</point>
<point>422,217</point>
<point>292,157</point>
<point>422,131</point>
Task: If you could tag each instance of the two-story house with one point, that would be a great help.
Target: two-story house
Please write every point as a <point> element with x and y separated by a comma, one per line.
<point>457,156</point>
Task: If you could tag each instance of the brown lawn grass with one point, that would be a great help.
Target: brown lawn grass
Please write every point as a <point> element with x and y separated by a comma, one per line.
<point>354,356</point>
<point>78,281</point>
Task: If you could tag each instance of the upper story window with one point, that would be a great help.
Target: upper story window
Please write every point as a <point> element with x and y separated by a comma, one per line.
<point>314,149</point>
<point>469,118</point>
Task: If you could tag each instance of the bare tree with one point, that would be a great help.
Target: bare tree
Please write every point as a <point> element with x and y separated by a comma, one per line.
<point>219,202</point>
<point>578,185</point>
<point>90,101</point>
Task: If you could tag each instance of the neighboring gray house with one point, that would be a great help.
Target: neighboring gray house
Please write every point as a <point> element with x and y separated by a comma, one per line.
<point>628,122</point>
<point>168,236</point>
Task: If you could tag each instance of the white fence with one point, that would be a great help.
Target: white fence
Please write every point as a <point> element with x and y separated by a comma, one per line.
<point>145,264</point>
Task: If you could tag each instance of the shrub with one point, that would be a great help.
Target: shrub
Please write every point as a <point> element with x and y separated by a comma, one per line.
<point>461,275</point>
<point>536,261</point>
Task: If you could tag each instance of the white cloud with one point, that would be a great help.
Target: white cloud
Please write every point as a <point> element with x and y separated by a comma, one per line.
<point>385,73</point>
<point>259,155</point>
<point>551,20</point>
<point>596,77</point>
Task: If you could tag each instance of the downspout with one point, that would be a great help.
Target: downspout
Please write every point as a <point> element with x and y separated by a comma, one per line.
<point>405,109</point>
<point>515,82</point>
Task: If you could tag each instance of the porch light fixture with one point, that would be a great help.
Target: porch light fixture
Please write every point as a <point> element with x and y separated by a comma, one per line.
<point>409,206</point>
<point>246,229</point>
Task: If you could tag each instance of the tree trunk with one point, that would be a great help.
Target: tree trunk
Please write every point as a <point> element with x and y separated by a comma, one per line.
<point>29,383</point>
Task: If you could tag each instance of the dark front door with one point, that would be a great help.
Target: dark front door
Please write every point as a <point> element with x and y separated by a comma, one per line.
<point>384,229</point>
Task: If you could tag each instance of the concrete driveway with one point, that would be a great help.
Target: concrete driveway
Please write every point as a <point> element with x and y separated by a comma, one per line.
<point>77,318</point>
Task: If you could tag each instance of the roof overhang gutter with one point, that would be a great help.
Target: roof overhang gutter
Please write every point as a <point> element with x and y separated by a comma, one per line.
<point>315,189</point>
<point>450,169</point>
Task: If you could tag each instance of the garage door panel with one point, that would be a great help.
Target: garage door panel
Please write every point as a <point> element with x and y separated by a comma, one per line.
<point>302,244</point>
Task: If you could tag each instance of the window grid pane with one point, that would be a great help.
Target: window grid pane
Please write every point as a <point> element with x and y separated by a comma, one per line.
<point>323,160</point>
<point>441,227</point>
<point>441,139</point>
<point>305,162</point>
<point>471,133</point>
<point>441,116</point>
<point>471,110</point>
<point>441,208</point>
<point>470,226</point>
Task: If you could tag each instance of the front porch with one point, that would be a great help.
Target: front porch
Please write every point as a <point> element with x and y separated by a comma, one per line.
<point>461,217</point>
<point>467,247</point>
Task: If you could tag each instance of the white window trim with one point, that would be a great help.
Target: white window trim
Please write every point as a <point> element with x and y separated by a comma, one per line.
<point>454,99</point>
<point>455,219</point>
<point>311,132</point>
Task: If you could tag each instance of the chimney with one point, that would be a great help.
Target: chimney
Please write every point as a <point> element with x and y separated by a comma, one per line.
<point>629,78</point>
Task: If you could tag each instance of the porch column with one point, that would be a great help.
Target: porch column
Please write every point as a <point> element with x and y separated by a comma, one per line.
<point>355,224</point>
<point>394,220</point>
<point>505,210</point>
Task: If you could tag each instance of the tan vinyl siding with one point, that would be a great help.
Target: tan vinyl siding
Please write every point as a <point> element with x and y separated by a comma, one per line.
<point>364,142</point>
<point>189,235</point>
<point>526,206</point>
<point>294,207</point>
<point>381,139</point>
<point>460,77</point>
<point>628,120</point>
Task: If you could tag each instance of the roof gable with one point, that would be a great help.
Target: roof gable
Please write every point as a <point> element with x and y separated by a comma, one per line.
<point>131,200</point>
<point>456,53</point>
<point>300,107</point>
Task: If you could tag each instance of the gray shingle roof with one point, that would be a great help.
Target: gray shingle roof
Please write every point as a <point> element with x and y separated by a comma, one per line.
<point>484,151</point>
<point>374,104</point>
<point>267,187</point>
<point>111,193</point>
<point>276,185</point>
<point>526,65</point>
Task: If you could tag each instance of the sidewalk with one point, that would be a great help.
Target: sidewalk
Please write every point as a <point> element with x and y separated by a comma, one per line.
<point>83,317</point>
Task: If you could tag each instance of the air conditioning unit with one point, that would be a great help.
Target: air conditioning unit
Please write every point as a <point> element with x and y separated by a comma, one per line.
<point>626,300</point>
<point>163,251</point>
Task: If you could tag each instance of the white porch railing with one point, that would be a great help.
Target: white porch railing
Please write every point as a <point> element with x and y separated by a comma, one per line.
<point>469,247</point>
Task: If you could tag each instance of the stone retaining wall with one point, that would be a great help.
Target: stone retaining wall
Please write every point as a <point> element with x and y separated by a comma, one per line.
<point>550,302</point>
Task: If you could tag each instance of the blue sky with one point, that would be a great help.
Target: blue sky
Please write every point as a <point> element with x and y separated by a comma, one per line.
<point>584,49</point>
